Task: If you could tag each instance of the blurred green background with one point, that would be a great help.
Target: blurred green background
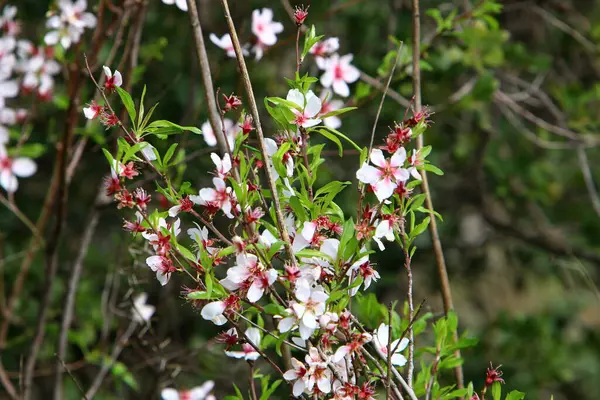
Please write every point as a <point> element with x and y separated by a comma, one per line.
<point>520,232</point>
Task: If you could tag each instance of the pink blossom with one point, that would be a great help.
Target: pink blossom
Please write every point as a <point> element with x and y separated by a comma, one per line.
<point>310,106</point>
<point>221,197</point>
<point>112,81</point>
<point>181,4</point>
<point>329,105</point>
<point>380,340</point>
<point>93,110</point>
<point>338,73</point>
<point>11,168</point>
<point>224,43</point>
<point>198,393</point>
<point>163,267</point>
<point>223,165</point>
<point>264,27</point>
<point>231,132</point>
<point>323,49</point>
<point>249,273</point>
<point>248,352</point>
<point>142,312</point>
<point>299,374</point>
<point>387,175</point>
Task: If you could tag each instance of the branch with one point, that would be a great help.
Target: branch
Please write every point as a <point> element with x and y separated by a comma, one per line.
<point>435,238</point>
<point>209,91</point>
<point>259,132</point>
<point>68,313</point>
<point>106,366</point>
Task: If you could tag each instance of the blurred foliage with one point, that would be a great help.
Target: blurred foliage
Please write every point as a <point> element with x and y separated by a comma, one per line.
<point>519,231</point>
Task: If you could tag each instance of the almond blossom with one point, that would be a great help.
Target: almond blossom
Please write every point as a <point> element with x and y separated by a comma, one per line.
<point>163,266</point>
<point>265,29</point>
<point>362,268</point>
<point>323,49</point>
<point>306,376</point>
<point>415,160</point>
<point>219,198</point>
<point>39,70</point>
<point>112,80</point>
<point>387,175</point>
<point>328,105</point>
<point>248,352</point>
<point>339,73</point>
<point>356,342</point>
<point>11,168</point>
<point>160,240</point>
<point>8,59</point>
<point>310,106</point>
<point>93,110</point>
<point>224,42</point>
<point>299,374</point>
<point>305,313</point>
<point>223,165</point>
<point>198,393</point>
<point>7,21</point>
<point>142,312</point>
<point>288,161</point>
<point>380,340</point>
<point>68,26</point>
<point>181,4</point>
<point>249,273</point>
<point>231,132</point>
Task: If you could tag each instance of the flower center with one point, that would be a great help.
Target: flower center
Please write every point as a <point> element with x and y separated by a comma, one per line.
<point>5,163</point>
<point>338,73</point>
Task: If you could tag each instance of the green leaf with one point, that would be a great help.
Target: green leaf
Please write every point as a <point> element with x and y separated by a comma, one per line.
<point>169,154</point>
<point>337,112</point>
<point>333,138</point>
<point>420,228</point>
<point>32,150</point>
<point>141,110</point>
<point>496,391</point>
<point>432,168</point>
<point>128,103</point>
<point>163,127</point>
<point>515,395</point>
<point>346,138</point>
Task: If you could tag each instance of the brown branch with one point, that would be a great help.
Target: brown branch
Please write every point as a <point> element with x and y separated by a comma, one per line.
<point>259,132</point>
<point>63,365</point>
<point>106,366</point>
<point>385,91</point>
<point>61,211</point>
<point>435,238</point>
<point>209,91</point>
<point>68,309</point>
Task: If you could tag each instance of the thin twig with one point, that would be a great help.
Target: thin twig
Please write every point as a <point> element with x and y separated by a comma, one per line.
<point>385,92</point>
<point>68,314</point>
<point>62,363</point>
<point>389,354</point>
<point>252,385</point>
<point>106,366</point>
<point>19,214</point>
<point>259,132</point>
<point>435,238</point>
<point>61,212</point>
<point>209,91</point>
<point>584,164</point>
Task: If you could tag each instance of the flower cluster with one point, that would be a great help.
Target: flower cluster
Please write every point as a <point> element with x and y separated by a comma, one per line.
<point>265,32</point>
<point>68,23</point>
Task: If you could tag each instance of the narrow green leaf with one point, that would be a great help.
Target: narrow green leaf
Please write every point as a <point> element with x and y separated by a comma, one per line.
<point>128,103</point>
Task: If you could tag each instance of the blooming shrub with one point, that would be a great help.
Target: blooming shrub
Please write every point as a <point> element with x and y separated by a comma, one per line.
<point>266,251</point>
<point>285,250</point>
